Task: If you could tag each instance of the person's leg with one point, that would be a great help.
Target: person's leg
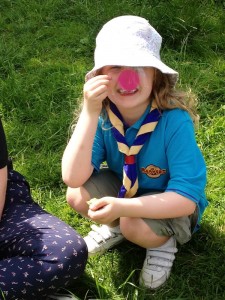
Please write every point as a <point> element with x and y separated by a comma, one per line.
<point>160,250</point>
<point>77,198</point>
<point>38,252</point>
<point>159,238</point>
<point>138,232</point>
<point>105,183</point>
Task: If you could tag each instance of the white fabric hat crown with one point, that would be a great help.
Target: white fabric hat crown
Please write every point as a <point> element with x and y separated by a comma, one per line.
<point>129,41</point>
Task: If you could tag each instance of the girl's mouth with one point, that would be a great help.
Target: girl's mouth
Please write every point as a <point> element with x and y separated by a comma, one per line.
<point>127,92</point>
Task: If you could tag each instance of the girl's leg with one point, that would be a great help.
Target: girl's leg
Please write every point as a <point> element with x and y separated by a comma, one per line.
<point>77,198</point>
<point>138,232</point>
<point>159,238</point>
<point>104,183</point>
<point>100,184</point>
<point>160,251</point>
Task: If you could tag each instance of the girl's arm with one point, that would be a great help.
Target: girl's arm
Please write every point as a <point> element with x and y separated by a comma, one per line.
<point>3,168</point>
<point>76,161</point>
<point>3,185</point>
<point>157,206</point>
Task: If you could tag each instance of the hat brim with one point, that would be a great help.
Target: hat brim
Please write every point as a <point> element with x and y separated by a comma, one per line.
<point>151,62</point>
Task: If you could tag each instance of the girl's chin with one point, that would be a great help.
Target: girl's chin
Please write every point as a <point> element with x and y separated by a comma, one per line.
<point>125,98</point>
<point>126,103</point>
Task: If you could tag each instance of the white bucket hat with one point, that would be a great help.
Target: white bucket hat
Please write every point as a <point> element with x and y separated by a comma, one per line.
<point>129,41</point>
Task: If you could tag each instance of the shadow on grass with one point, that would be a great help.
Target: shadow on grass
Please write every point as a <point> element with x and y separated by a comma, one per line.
<point>199,266</point>
<point>113,268</point>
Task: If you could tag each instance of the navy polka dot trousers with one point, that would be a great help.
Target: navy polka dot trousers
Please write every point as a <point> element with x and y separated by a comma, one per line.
<point>38,252</point>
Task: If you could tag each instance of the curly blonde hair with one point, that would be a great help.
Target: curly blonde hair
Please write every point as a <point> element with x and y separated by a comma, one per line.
<point>167,97</point>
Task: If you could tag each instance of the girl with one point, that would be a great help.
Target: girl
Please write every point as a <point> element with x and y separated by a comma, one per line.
<point>38,252</point>
<point>134,120</point>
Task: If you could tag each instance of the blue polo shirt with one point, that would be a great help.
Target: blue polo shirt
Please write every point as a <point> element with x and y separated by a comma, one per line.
<point>170,159</point>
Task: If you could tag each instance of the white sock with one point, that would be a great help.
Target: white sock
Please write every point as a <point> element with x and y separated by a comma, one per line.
<point>115,229</point>
<point>171,243</point>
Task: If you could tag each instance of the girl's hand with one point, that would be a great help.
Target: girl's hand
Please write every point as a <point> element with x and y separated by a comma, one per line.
<point>104,210</point>
<point>95,91</point>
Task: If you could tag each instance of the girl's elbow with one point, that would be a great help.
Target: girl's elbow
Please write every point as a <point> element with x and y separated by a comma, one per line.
<point>191,207</point>
<point>67,178</point>
<point>70,182</point>
<point>76,179</point>
<point>73,181</point>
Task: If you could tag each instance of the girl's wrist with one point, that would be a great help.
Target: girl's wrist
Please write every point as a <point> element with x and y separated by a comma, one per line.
<point>123,206</point>
<point>90,112</point>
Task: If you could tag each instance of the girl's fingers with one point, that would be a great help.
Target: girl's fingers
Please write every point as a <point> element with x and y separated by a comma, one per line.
<point>97,78</point>
<point>95,91</point>
<point>96,82</point>
<point>98,92</point>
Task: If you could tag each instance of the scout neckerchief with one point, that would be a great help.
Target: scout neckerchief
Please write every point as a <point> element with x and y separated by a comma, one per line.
<point>130,178</point>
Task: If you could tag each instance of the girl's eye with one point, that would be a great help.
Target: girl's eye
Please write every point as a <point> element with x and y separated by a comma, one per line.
<point>115,69</point>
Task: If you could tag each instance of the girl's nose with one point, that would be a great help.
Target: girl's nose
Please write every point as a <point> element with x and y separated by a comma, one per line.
<point>128,79</point>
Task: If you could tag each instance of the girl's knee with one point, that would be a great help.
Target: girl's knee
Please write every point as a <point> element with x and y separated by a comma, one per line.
<point>77,198</point>
<point>128,227</point>
<point>71,196</point>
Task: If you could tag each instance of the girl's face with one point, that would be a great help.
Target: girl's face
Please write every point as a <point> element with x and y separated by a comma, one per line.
<point>129,87</point>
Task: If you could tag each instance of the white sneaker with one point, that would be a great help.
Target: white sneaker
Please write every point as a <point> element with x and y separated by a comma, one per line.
<point>157,265</point>
<point>101,238</point>
<point>58,296</point>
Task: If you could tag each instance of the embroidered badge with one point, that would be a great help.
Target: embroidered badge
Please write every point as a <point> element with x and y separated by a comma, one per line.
<point>153,171</point>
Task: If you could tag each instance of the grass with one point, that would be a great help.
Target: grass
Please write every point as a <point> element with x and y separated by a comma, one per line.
<point>45,50</point>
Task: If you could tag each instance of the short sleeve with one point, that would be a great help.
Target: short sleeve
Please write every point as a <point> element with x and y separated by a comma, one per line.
<point>98,150</point>
<point>186,164</point>
<point>3,148</point>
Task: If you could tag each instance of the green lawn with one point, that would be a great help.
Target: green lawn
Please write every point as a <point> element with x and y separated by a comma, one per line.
<point>46,47</point>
